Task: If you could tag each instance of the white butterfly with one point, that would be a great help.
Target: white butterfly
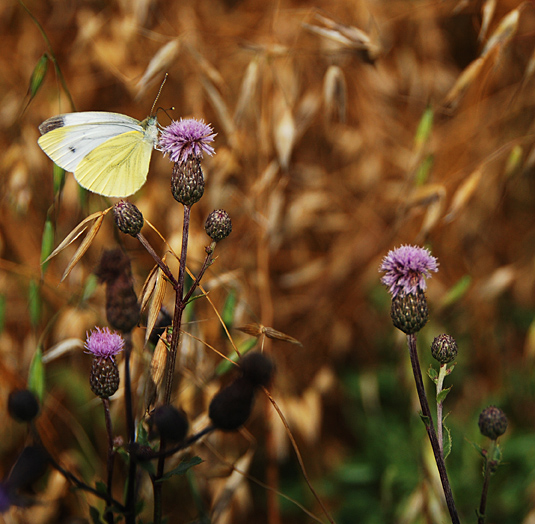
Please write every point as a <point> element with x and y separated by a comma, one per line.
<point>108,153</point>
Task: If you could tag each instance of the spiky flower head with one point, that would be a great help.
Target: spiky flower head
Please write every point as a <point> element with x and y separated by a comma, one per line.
<point>187,181</point>
<point>218,225</point>
<point>406,269</point>
<point>444,349</point>
<point>184,138</point>
<point>103,343</point>
<point>128,218</point>
<point>409,312</point>
<point>492,422</point>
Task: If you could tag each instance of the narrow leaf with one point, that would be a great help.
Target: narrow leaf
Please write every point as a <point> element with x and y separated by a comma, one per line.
<point>47,244</point>
<point>457,291</point>
<point>447,442</point>
<point>442,395</point>
<point>38,75</point>
<point>229,308</point>
<point>225,365</point>
<point>34,302</point>
<point>36,376</point>
<point>182,468</point>
<point>84,246</point>
<point>156,302</point>
<point>58,178</point>
<point>432,374</point>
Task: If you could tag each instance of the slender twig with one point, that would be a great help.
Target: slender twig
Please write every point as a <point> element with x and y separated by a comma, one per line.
<point>488,470</point>
<point>440,382</point>
<point>162,265</point>
<point>206,264</point>
<point>171,358</point>
<point>106,404</point>
<point>131,430</point>
<point>429,426</point>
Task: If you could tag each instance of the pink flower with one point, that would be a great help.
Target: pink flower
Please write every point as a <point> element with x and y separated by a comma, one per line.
<point>184,138</point>
<point>103,343</point>
<point>406,269</point>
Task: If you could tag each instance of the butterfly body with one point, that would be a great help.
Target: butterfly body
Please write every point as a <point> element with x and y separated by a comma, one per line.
<point>108,153</point>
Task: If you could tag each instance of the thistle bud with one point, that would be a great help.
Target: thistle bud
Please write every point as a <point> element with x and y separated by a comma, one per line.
<point>171,424</point>
<point>492,422</point>
<point>22,405</point>
<point>122,308</point>
<point>187,181</point>
<point>444,349</point>
<point>104,376</point>
<point>218,225</point>
<point>128,218</point>
<point>231,407</point>
<point>257,368</point>
<point>409,312</point>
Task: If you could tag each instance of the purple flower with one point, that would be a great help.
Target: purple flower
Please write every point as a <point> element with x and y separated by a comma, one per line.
<point>103,343</point>
<point>185,138</point>
<point>406,269</point>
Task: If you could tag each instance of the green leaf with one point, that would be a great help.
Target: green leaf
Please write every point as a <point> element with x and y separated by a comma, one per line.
<point>432,373</point>
<point>34,302</point>
<point>36,376</point>
<point>442,395</point>
<point>457,291</point>
<point>424,128</point>
<point>225,366</point>
<point>47,244</point>
<point>447,442</point>
<point>58,177</point>
<point>425,419</point>
<point>228,309</point>
<point>101,487</point>
<point>479,449</point>
<point>91,284</point>
<point>422,174</point>
<point>182,468</point>
<point>142,435</point>
<point>94,513</point>
<point>38,75</point>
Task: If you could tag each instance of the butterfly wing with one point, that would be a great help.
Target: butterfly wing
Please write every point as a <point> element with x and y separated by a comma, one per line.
<point>118,167</point>
<point>68,138</point>
<point>89,144</point>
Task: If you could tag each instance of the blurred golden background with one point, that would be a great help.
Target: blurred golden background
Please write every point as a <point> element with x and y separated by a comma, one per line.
<point>344,129</point>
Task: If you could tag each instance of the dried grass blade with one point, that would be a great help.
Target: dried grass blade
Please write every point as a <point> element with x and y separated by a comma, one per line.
<point>157,300</point>
<point>247,90</point>
<point>284,134</point>
<point>157,369</point>
<point>148,287</point>
<point>489,8</point>
<point>504,32</point>
<point>84,246</point>
<point>463,194</point>
<point>335,93</point>
<point>75,233</point>
<point>220,108</point>
<point>279,335</point>
<point>159,63</point>
<point>465,79</point>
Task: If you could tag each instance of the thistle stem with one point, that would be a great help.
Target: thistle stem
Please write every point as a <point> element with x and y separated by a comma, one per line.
<point>107,417</point>
<point>486,480</point>
<point>131,430</point>
<point>429,426</point>
<point>171,358</point>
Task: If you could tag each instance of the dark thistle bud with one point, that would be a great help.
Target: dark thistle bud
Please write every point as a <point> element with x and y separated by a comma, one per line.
<point>409,312</point>
<point>104,377</point>
<point>231,407</point>
<point>187,181</point>
<point>22,405</point>
<point>444,349</point>
<point>257,368</point>
<point>122,308</point>
<point>218,225</point>
<point>128,218</point>
<point>171,423</point>
<point>492,422</point>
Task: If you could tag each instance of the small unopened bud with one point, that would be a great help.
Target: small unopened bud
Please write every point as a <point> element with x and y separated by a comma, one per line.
<point>128,218</point>
<point>492,422</point>
<point>257,368</point>
<point>172,424</point>
<point>409,312</point>
<point>218,225</point>
<point>187,181</point>
<point>444,349</point>
<point>231,407</point>
<point>22,405</point>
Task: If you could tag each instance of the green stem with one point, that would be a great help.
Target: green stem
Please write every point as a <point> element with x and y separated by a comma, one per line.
<point>440,382</point>
<point>429,426</point>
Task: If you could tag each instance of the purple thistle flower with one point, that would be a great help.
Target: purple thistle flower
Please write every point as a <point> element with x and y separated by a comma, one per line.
<point>184,138</point>
<point>103,343</point>
<point>406,269</point>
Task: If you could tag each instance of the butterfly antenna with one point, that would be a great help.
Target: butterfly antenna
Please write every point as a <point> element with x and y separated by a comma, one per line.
<point>158,95</point>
